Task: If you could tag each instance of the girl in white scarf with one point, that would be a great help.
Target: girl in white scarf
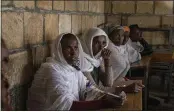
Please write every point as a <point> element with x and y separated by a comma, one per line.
<point>119,57</point>
<point>59,83</point>
<point>94,44</point>
<point>122,53</point>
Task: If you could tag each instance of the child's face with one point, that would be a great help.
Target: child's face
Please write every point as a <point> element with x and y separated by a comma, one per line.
<point>135,34</point>
<point>117,37</point>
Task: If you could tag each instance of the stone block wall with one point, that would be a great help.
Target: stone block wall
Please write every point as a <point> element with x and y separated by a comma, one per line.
<point>26,24</point>
<point>147,14</point>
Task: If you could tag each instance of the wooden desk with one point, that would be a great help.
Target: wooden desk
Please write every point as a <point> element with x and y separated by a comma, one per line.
<point>163,63</point>
<point>133,103</point>
<point>163,57</point>
<point>143,63</point>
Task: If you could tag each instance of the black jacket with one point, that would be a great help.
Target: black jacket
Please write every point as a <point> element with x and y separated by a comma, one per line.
<point>147,48</point>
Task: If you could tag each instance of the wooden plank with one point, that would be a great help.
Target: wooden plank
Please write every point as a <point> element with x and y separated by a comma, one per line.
<point>162,57</point>
<point>138,103</point>
<point>142,63</point>
<point>129,104</point>
<point>133,103</point>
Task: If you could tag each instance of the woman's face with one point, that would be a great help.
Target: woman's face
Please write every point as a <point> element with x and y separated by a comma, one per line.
<point>135,34</point>
<point>117,37</point>
<point>70,48</point>
<point>99,42</point>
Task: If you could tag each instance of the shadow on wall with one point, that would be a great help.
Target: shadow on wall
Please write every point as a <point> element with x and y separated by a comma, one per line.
<point>19,92</point>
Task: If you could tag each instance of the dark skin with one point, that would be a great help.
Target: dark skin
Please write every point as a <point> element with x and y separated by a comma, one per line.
<point>117,37</point>
<point>70,48</point>
<point>70,51</point>
<point>5,98</point>
<point>135,34</point>
<point>99,42</point>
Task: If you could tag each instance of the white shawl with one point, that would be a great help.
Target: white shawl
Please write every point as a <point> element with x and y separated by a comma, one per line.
<point>136,45</point>
<point>87,45</point>
<point>121,56</point>
<point>119,60</point>
<point>133,55</point>
<point>85,65</point>
<point>57,84</point>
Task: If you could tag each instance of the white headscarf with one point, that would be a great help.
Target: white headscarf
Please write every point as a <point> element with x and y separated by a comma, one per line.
<point>136,45</point>
<point>57,54</point>
<point>57,84</point>
<point>87,45</point>
<point>122,56</point>
<point>119,56</point>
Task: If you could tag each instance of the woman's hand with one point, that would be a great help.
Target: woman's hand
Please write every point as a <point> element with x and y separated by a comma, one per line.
<point>114,102</point>
<point>129,86</point>
<point>134,87</point>
<point>106,54</point>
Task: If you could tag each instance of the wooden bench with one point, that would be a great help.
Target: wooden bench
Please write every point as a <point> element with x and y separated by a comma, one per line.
<point>143,63</point>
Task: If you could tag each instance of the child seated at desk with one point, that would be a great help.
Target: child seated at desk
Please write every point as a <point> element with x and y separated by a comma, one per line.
<point>122,53</point>
<point>137,42</point>
<point>94,44</point>
<point>59,83</point>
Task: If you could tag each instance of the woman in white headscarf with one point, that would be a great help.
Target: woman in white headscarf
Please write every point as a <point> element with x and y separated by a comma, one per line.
<point>119,57</point>
<point>94,44</point>
<point>122,55</point>
<point>59,83</point>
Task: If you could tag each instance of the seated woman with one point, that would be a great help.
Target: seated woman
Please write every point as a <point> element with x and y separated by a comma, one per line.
<point>59,83</point>
<point>133,55</point>
<point>121,57</point>
<point>122,53</point>
<point>137,42</point>
<point>94,44</point>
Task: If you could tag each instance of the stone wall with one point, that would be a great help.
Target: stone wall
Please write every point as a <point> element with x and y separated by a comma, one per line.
<point>29,23</point>
<point>147,14</point>
<point>26,24</point>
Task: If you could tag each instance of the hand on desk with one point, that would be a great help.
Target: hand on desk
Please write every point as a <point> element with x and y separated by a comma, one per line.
<point>113,102</point>
<point>135,87</point>
<point>130,86</point>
